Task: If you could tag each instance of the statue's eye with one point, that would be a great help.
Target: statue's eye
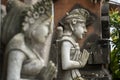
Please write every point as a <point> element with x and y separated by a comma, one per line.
<point>74,21</point>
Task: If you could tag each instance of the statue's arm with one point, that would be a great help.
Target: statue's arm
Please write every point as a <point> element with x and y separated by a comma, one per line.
<point>67,63</point>
<point>15,61</point>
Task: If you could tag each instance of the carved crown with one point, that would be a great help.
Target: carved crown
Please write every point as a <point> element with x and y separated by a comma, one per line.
<point>41,11</point>
<point>78,14</point>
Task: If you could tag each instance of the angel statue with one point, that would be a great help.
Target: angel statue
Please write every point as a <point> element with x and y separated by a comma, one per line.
<point>73,28</point>
<point>27,53</point>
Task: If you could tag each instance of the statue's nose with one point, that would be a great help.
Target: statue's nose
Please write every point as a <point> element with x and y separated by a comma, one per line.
<point>85,30</point>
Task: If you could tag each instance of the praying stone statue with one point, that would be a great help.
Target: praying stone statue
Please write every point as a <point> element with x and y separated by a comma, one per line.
<point>27,53</point>
<point>71,59</point>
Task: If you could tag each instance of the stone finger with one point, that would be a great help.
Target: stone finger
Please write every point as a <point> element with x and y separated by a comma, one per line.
<point>48,68</point>
<point>53,74</point>
<point>80,55</point>
<point>73,74</point>
<point>77,72</point>
<point>51,67</point>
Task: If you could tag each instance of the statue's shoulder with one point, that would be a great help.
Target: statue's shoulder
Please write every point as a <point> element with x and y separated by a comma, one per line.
<point>17,42</point>
<point>17,38</point>
<point>67,38</point>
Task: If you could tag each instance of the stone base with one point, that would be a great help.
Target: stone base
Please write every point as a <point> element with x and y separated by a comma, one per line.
<point>95,72</point>
<point>96,78</point>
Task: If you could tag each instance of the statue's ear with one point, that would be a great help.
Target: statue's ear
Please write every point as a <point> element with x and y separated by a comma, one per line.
<point>71,27</point>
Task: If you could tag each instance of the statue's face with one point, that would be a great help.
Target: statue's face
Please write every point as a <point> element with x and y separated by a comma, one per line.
<point>40,33</point>
<point>80,29</point>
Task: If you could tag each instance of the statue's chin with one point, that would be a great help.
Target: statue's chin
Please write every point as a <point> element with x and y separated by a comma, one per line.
<point>41,40</point>
<point>80,37</point>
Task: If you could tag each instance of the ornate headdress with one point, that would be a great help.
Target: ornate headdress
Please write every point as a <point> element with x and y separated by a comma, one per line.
<point>38,15</point>
<point>41,11</point>
<point>75,15</point>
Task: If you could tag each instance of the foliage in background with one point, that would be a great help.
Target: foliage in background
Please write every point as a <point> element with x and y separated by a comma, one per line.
<point>115,35</point>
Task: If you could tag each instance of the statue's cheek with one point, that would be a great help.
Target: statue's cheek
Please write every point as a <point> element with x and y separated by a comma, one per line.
<point>40,34</point>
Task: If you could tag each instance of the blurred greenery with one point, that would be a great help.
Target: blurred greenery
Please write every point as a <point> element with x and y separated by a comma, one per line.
<point>115,35</point>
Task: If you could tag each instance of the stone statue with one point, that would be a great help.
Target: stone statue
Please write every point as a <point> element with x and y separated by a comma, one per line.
<point>11,24</point>
<point>27,53</point>
<point>70,56</point>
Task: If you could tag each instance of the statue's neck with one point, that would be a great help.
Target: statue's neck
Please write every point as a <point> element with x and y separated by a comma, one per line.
<point>74,37</point>
<point>34,46</point>
<point>70,33</point>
